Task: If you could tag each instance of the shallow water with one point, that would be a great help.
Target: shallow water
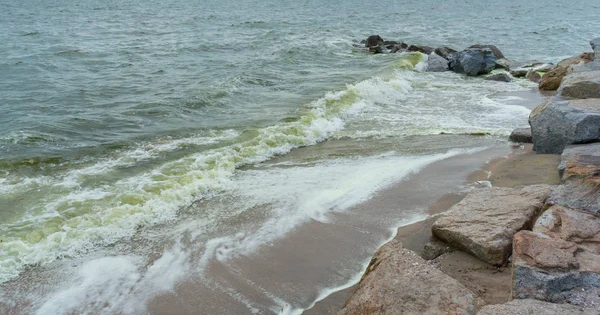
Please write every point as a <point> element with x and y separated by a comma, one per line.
<point>130,130</point>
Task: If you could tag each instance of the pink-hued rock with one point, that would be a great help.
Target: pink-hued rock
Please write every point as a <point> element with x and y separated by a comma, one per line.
<point>485,221</point>
<point>398,281</point>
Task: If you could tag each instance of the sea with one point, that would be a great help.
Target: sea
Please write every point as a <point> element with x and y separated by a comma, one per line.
<point>142,142</point>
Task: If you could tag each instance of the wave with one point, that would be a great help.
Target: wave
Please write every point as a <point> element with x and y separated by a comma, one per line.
<point>80,217</point>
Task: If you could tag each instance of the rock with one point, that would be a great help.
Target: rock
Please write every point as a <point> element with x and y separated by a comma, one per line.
<point>531,307</point>
<point>422,49</point>
<point>507,64</point>
<point>522,135</point>
<point>398,281</point>
<point>559,123</point>
<point>374,41</point>
<point>559,260</point>
<point>474,61</point>
<point>398,48</point>
<point>435,249</point>
<point>578,193</point>
<point>502,77</point>
<point>533,76</point>
<point>484,222</point>
<point>552,79</point>
<point>445,52</point>
<point>580,85</point>
<point>595,43</point>
<point>493,48</point>
<point>583,160</point>
<point>390,43</point>
<point>436,63</point>
<point>519,72</point>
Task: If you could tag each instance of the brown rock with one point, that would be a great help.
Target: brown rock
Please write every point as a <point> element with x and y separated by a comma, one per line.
<point>552,79</point>
<point>583,160</point>
<point>493,48</point>
<point>484,222</point>
<point>398,281</point>
<point>531,307</point>
<point>576,226</point>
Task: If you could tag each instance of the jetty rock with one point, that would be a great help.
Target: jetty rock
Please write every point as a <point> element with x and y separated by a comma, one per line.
<point>436,63</point>
<point>559,261</point>
<point>445,52</point>
<point>530,306</point>
<point>501,77</point>
<point>559,123</point>
<point>398,281</point>
<point>473,61</point>
<point>583,82</point>
<point>485,221</point>
<point>521,135</point>
<point>497,53</point>
<point>552,79</point>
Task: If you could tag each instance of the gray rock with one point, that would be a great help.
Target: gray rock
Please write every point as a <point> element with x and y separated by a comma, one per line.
<point>422,49</point>
<point>519,72</point>
<point>484,222</point>
<point>578,193</point>
<point>398,48</point>
<point>532,307</point>
<point>507,64</point>
<point>578,154</point>
<point>493,48</point>
<point>435,249</point>
<point>533,76</point>
<point>521,135</point>
<point>398,281</point>
<point>580,85</point>
<point>445,52</point>
<point>436,63</point>
<point>559,123</point>
<point>545,67</point>
<point>552,79</point>
<point>501,77</point>
<point>374,41</point>
<point>595,43</point>
<point>474,61</point>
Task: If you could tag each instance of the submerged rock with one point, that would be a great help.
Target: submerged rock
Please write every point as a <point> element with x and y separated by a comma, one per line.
<point>484,222</point>
<point>493,48</point>
<point>559,123</point>
<point>436,63</point>
<point>375,44</point>
<point>473,61</point>
<point>552,79</point>
<point>519,72</point>
<point>502,77</point>
<point>531,307</point>
<point>398,281</point>
<point>521,135</point>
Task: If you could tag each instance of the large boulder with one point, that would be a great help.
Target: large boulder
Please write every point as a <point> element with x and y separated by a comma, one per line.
<point>532,307</point>
<point>579,85</point>
<point>398,281</point>
<point>436,63</point>
<point>552,79</point>
<point>493,48</point>
<point>559,123</point>
<point>559,261</point>
<point>521,135</point>
<point>484,222</point>
<point>473,61</point>
<point>445,52</point>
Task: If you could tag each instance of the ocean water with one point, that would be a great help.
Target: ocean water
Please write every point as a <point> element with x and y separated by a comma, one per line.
<point>133,131</point>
